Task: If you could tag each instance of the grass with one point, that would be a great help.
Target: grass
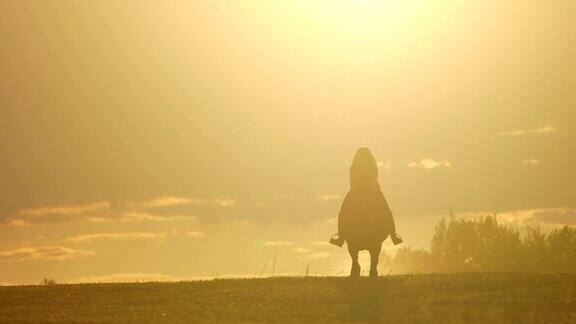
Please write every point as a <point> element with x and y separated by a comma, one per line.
<point>474,297</point>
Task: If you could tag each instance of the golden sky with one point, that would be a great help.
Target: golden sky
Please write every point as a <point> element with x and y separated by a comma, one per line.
<point>182,139</point>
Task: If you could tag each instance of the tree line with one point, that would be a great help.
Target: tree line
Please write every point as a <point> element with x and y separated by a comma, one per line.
<point>464,245</point>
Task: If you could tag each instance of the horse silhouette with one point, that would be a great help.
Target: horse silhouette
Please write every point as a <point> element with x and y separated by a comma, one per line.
<point>365,220</point>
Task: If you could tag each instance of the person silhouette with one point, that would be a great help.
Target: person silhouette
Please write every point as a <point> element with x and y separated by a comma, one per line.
<point>365,220</point>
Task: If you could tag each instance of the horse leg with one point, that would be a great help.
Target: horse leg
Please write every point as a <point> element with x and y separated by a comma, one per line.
<point>374,256</point>
<point>355,272</point>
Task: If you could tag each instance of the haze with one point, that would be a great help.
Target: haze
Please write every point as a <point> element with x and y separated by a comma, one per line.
<point>193,139</point>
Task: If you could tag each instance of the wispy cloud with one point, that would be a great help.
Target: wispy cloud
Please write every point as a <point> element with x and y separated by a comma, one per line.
<point>278,243</point>
<point>56,253</point>
<point>385,165</point>
<point>331,220</point>
<point>126,277</point>
<point>544,217</point>
<point>160,277</point>
<point>531,162</point>
<point>94,212</point>
<point>319,243</point>
<point>167,202</point>
<point>66,210</point>
<point>224,202</point>
<point>167,208</point>
<point>195,234</point>
<point>545,129</point>
<point>430,164</point>
<point>301,250</point>
<point>132,236</point>
<point>134,217</point>
<point>319,255</point>
<point>330,196</point>
<point>173,201</point>
<point>14,222</point>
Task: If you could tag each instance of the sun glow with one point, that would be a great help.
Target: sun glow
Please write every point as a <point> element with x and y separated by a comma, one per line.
<point>351,35</point>
<point>362,16</point>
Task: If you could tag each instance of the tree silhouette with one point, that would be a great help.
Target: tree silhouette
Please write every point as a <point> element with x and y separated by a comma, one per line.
<point>463,245</point>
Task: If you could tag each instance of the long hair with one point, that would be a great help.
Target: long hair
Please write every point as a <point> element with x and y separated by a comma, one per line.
<point>364,171</point>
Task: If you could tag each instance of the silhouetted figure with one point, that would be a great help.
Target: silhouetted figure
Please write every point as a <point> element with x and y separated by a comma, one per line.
<point>365,220</point>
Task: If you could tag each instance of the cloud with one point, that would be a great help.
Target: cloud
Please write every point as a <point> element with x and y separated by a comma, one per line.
<point>159,277</point>
<point>530,161</point>
<point>224,202</point>
<point>16,222</point>
<point>167,202</point>
<point>278,243</point>
<point>66,210</point>
<point>126,277</point>
<point>133,217</point>
<point>195,234</point>
<point>93,212</point>
<point>132,236</point>
<point>173,201</point>
<point>331,196</point>
<point>555,216</point>
<point>177,208</point>
<point>319,255</point>
<point>331,220</point>
<point>160,209</point>
<point>385,165</point>
<point>430,164</point>
<point>544,217</point>
<point>301,250</point>
<point>7,213</point>
<point>319,243</point>
<point>538,130</point>
<point>56,253</point>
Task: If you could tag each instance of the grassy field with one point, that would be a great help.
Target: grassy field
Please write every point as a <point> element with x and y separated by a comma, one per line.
<point>496,297</point>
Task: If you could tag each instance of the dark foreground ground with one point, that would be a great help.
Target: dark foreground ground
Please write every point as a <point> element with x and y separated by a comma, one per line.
<point>501,297</point>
